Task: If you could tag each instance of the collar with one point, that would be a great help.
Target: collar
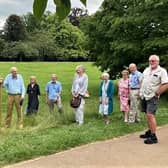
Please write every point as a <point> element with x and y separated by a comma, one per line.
<point>155,70</point>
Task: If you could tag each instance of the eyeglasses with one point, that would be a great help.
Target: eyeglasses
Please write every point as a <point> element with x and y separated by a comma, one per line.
<point>152,60</point>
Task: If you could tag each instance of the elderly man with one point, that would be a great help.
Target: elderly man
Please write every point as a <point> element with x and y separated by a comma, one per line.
<point>14,85</point>
<point>53,93</point>
<point>134,85</point>
<point>154,83</point>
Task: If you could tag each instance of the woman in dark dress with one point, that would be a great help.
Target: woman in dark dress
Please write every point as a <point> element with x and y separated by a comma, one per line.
<point>33,92</point>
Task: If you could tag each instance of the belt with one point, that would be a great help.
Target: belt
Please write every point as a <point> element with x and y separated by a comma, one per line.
<point>14,94</point>
<point>134,88</point>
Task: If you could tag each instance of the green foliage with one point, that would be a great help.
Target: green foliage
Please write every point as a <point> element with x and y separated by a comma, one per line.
<point>39,7</point>
<point>127,31</point>
<point>63,7</point>
<point>48,40</point>
<point>14,29</point>
<point>19,51</point>
<point>30,22</point>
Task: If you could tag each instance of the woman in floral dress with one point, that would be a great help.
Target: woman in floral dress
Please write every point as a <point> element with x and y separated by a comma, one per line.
<point>123,94</point>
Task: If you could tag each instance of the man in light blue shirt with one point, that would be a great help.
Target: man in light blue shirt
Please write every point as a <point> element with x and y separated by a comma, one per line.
<point>134,85</point>
<point>53,93</point>
<point>15,88</point>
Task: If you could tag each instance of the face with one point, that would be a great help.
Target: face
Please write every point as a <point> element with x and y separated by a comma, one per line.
<point>105,77</point>
<point>53,78</point>
<point>132,68</point>
<point>14,72</point>
<point>124,75</point>
<point>153,62</point>
<point>79,71</point>
<point>33,80</point>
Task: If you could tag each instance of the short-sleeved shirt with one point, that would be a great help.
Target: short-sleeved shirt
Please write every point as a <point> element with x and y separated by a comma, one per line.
<point>134,80</point>
<point>53,89</point>
<point>151,81</point>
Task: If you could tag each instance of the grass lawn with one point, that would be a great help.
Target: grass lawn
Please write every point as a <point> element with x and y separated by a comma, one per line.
<point>50,133</point>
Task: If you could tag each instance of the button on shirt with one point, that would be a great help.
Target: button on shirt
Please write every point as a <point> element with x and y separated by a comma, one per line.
<point>134,80</point>
<point>53,89</point>
<point>151,81</point>
<point>14,85</point>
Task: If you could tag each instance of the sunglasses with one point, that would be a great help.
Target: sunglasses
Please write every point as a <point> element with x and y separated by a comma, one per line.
<point>152,60</point>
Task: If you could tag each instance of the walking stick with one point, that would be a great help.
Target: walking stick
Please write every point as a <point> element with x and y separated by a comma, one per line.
<point>1,81</point>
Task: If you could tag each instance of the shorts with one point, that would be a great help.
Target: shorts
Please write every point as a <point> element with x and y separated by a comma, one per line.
<point>149,106</point>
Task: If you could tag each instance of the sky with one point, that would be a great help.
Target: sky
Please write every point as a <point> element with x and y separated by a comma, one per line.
<point>20,7</point>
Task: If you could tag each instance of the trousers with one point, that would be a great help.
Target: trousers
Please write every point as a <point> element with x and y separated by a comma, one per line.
<point>79,112</point>
<point>11,100</point>
<point>134,114</point>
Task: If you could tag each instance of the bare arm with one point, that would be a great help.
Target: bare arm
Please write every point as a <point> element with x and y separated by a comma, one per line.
<point>162,89</point>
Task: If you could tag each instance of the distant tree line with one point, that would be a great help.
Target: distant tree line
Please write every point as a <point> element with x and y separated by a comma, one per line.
<point>26,39</point>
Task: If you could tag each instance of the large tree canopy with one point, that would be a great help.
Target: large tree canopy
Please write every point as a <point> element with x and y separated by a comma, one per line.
<point>126,31</point>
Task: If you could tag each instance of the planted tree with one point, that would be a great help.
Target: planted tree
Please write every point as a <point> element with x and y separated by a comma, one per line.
<point>14,29</point>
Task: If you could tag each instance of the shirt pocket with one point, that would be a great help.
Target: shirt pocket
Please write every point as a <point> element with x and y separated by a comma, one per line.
<point>155,79</point>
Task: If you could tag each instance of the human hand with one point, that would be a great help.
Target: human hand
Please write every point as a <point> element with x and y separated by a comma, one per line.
<point>157,94</point>
<point>21,101</point>
<point>106,100</point>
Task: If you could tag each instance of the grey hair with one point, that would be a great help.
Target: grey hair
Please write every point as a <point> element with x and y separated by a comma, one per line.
<point>80,67</point>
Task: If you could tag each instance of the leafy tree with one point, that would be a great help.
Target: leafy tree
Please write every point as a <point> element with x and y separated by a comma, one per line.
<point>70,41</point>
<point>126,31</point>
<point>30,22</point>
<point>14,29</point>
<point>2,45</point>
<point>45,44</point>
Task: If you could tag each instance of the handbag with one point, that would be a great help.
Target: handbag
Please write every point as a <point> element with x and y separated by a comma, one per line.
<point>75,102</point>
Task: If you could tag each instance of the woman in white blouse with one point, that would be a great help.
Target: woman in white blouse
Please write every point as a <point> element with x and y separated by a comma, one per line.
<point>79,88</point>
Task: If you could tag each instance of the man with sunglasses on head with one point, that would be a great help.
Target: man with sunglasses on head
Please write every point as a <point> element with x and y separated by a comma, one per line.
<point>53,94</point>
<point>154,83</point>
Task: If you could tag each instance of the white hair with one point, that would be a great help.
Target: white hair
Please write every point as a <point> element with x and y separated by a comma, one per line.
<point>105,74</point>
<point>132,65</point>
<point>156,57</point>
<point>13,69</point>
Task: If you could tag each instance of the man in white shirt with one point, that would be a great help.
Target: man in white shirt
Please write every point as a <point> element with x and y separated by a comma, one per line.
<point>154,83</point>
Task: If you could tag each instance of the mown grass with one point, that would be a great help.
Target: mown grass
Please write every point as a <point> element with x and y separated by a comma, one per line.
<point>50,133</point>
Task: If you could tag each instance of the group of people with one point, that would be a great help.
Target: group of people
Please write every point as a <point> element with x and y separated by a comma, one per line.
<point>144,89</point>
<point>133,88</point>
<point>15,88</point>
<point>128,93</point>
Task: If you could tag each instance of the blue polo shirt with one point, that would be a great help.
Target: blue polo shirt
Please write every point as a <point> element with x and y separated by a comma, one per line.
<point>134,80</point>
<point>53,89</point>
